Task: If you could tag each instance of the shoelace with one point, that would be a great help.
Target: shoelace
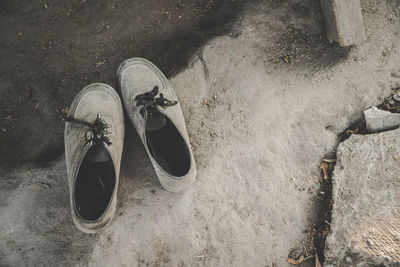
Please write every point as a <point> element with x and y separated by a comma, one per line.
<point>150,99</point>
<point>97,130</point>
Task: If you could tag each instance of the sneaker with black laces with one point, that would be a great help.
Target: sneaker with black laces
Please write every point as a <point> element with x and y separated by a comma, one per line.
<point>94,134</point>
<point>154,110</point>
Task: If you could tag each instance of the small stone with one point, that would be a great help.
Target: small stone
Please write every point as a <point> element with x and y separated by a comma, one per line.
<point>396,74</point>
<point>396,97</point>
<point>65,110</point>
<point>379,120</point>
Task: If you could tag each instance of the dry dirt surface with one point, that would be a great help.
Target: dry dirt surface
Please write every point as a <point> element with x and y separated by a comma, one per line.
<point>51,49</point>
<point>264,102</point>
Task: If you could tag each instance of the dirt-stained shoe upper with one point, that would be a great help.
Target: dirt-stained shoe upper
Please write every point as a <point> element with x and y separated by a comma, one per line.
<point>154,110</point>
<point>94,134</point>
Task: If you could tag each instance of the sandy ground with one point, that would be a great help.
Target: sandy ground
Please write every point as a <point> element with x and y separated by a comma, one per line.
<point>259,127</point>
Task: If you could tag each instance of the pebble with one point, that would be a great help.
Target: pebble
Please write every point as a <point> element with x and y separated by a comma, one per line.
<point>396,97</point>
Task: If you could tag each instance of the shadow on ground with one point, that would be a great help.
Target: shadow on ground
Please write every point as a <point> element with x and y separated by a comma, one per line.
<point>302,45</point>
<point>50,50</point>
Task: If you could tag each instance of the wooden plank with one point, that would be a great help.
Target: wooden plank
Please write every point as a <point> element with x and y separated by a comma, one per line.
<point>343,21</point>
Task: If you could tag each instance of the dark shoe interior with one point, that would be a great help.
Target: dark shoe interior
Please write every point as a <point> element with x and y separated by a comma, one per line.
<point>95,183</point>
<point>166,144</point>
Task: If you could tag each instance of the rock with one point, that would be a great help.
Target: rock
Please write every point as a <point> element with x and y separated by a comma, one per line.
<point>396,97</point>
<point>396,74</point>
<point>366,195</point>
<point>379,120</point>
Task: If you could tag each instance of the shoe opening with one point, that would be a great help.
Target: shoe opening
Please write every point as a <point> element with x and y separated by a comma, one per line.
<point>94,184</point>
<point>166,144</point>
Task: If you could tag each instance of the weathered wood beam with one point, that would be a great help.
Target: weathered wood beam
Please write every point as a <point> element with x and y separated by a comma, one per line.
<point>343,21</point>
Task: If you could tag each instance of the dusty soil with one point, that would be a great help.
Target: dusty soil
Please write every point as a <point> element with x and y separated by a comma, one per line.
<point>264,102</point>
<point>51,49</point>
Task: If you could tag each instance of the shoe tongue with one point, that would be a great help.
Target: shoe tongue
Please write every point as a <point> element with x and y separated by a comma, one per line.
<point>155,119</point>
<point>98,153</point>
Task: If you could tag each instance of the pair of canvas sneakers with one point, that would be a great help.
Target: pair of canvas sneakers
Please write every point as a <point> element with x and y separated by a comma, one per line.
<point>94,136</point>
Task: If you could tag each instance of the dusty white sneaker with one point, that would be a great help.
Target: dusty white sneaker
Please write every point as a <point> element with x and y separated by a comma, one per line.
<point>94,135</point>
<point>154,110</point>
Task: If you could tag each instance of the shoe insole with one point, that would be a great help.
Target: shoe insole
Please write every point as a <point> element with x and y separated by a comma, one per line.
<point>155,120</point>
<point>97,153</point>
<point>94,184</point>
<point>167,145</point>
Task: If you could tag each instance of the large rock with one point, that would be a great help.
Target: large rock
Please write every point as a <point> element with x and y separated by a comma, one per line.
<point>379,120</point>
<point>366,202</point>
